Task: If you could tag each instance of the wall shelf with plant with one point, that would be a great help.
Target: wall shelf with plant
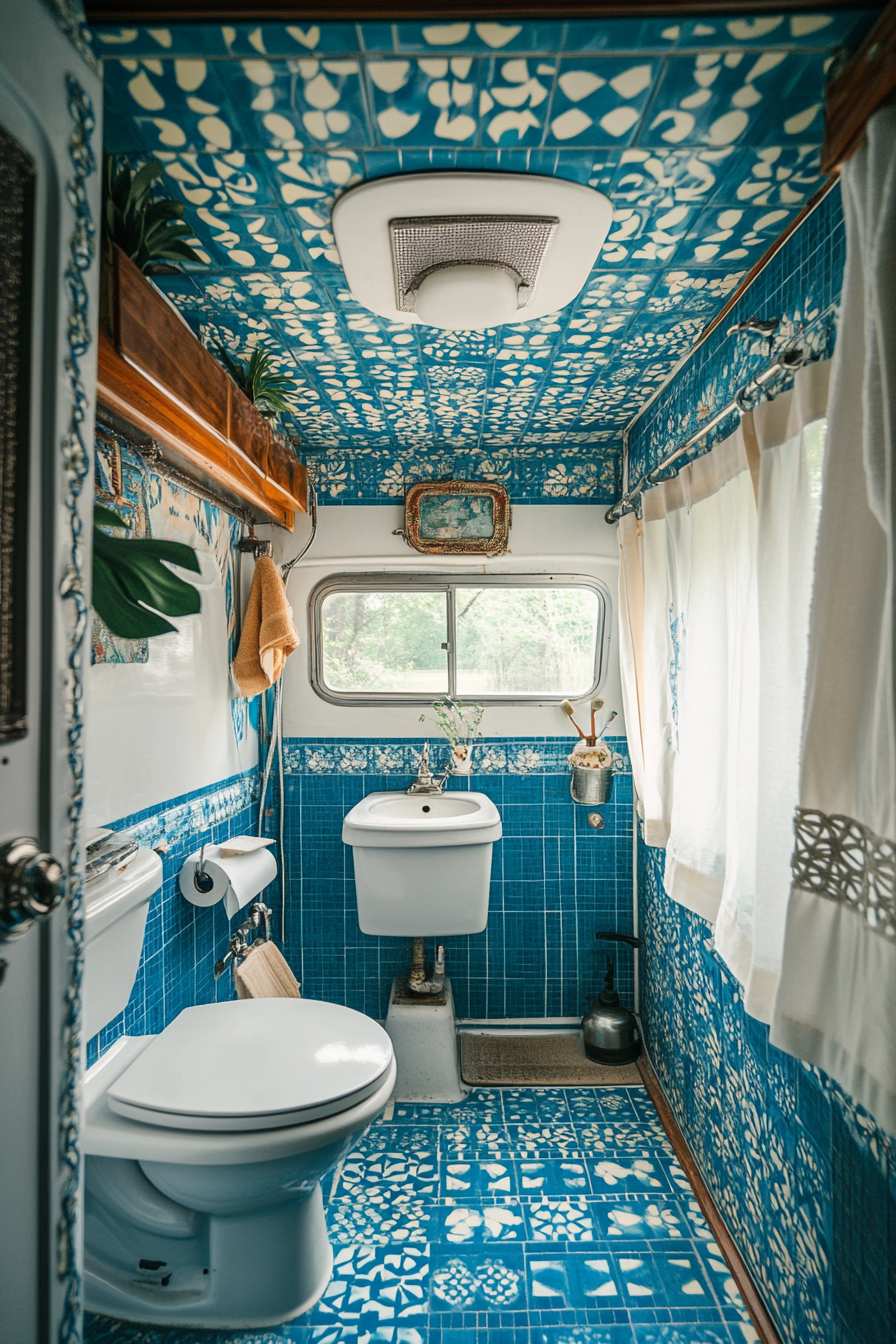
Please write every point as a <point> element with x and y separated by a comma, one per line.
<point>155,373</point>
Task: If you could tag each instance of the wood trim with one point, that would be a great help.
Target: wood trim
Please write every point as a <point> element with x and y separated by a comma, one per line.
<point>856,93</point>
<point>227,11</point>
<point>155,374</point>
<point>746,1286</point>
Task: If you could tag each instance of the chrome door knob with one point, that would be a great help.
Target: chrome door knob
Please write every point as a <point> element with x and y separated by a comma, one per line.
<point>30,885</point>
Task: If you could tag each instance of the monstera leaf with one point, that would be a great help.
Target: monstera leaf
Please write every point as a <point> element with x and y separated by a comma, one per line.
<point>128,571</point>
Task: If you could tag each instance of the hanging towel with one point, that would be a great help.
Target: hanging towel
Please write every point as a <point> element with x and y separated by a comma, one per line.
<point>269,635</point>
<point>264,974</point>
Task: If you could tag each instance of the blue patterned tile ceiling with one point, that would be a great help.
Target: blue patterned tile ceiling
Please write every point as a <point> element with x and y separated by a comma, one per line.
<point>704,133</point>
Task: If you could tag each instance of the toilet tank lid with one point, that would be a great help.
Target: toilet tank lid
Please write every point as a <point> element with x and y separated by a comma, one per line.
<point>115,894</point>
<point>254,1064</point>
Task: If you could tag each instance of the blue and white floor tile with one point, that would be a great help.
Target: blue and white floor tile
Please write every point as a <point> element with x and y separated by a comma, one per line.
<point>520,1216</point>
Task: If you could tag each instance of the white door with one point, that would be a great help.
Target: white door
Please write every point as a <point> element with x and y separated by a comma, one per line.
<point>50,159</point>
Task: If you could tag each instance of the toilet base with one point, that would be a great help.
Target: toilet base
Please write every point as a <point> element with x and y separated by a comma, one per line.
<point>241,1271</point>
<point>425,1044</point>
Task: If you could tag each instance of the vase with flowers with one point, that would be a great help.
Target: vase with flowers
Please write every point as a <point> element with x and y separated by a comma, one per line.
<point>460,724</point>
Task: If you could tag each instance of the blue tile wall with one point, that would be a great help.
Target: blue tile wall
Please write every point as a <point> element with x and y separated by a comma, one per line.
<point>801,287</point>
<point>555,880</point>
<point>182,941</point>
<point>802,1175</point>
<point>704,134</point>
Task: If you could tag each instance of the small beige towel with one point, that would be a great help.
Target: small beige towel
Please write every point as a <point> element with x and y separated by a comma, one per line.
<point>269,635</point>
<point>264,974</point>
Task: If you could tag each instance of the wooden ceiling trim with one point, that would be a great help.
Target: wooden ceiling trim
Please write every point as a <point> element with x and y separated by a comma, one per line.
<point>860,88</point>
<point>282,11</point>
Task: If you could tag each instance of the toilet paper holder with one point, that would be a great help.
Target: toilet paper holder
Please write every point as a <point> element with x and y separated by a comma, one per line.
<point>259,914</point>
<point>202,880</point>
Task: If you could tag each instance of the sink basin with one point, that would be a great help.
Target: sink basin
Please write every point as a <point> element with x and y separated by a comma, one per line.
<point>412,821</point>
<point>424,807</point>
<point>422,862</point>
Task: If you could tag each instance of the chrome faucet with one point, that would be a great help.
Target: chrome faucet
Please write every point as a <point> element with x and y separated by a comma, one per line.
<point>426,781</point>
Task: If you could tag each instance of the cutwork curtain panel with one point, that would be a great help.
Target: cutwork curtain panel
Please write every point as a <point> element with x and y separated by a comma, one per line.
<point>836,1000</point>
<point>724,561</point>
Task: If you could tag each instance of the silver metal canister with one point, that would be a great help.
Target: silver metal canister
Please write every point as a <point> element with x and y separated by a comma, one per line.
<point>588,785</point>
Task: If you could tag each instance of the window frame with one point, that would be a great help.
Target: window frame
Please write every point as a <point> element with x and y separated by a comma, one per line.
<point>449,583</point>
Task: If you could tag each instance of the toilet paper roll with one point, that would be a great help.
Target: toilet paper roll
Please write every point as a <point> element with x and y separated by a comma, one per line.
<point>234,880</point>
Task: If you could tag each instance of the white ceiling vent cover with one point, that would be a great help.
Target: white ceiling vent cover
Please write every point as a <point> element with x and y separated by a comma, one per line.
<point>465,251</point>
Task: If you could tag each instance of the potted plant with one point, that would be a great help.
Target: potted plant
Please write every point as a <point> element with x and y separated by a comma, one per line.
<point>150,233</point>
<point>460,724</point>
<point>270,392</point>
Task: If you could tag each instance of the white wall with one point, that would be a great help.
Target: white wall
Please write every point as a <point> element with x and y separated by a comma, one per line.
<point>163,728</point>
<point>567,539</point>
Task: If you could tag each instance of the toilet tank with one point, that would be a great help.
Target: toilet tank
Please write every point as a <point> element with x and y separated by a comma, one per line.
<point>114,923</point>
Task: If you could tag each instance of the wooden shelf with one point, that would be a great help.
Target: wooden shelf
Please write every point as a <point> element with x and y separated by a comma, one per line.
<point>154,373</point>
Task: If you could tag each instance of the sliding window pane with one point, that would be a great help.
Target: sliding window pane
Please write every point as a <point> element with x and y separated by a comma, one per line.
<point>385,641</point>
<point>527,641</point>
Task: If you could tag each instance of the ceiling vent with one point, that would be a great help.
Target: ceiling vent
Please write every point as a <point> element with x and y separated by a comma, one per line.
<point>465,251</point>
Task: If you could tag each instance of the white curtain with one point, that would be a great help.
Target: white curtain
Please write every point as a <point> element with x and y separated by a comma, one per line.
<point>765,736</point>
<point>836,1000</point>
<point>728,548</point>
<point>699,576</point>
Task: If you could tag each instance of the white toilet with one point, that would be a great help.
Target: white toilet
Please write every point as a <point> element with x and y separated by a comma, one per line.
<point>205,1145</point>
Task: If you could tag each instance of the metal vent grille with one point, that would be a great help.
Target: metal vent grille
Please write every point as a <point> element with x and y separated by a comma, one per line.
<point>516,243</point>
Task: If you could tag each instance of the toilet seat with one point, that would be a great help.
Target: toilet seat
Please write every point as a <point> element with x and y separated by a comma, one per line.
<point>254,1064</point>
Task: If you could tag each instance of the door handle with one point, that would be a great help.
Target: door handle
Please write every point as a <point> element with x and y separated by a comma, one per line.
<point>30,886</point>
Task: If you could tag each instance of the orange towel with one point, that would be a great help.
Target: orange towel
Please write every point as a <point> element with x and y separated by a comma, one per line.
<point>264,974</point>
<point>269,635</point>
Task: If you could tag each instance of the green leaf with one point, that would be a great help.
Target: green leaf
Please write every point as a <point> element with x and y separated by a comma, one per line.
<point>103,517</point>
<point>113,604</point>
<point>146,230</point>
<point>167,209</point>
<point>141,184</point>
<point>128,572</point>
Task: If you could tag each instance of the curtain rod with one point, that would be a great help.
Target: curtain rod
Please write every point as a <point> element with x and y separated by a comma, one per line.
<point>752,275</point>
<point>787,362</point>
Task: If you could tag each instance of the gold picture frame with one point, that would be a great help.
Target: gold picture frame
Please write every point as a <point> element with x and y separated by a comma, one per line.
<point>457,518</point>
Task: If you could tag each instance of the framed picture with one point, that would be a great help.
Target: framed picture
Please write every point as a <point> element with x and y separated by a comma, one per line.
<point>457,518</point>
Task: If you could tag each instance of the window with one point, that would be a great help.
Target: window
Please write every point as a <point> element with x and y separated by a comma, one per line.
<point>508,637</point>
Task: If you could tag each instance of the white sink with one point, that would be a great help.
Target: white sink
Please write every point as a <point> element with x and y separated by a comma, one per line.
<point>414,821</point>
<point>422,862</point>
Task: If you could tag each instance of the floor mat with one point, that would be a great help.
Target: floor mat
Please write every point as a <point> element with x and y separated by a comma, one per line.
<point>547,1059</point>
